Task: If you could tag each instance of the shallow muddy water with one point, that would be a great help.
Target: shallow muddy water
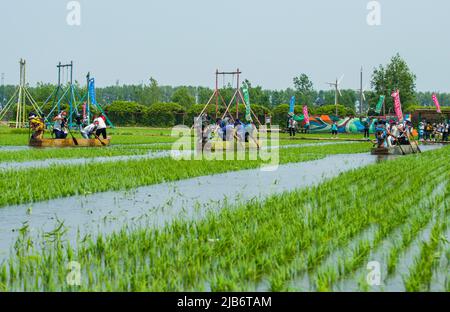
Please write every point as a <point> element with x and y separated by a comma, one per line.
<point>14,148</point>
<point>161,203</point>
<point>46,163</point>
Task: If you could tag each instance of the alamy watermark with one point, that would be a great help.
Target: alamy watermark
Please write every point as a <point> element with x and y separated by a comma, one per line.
<point>374,15</point>
<point>73,278</point>
<point>73,17</point>
<point>373,278</point>
<point>229,142</point>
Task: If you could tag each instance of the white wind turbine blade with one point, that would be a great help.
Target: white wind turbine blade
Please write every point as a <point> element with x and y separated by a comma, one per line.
<point>339,91</point>
<point>340,80</point>
<point>364,91</point>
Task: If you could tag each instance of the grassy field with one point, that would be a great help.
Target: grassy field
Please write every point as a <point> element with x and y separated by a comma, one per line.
<point>274,242</point>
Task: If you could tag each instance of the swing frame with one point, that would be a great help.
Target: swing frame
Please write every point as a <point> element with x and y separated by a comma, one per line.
<point>236,98</point>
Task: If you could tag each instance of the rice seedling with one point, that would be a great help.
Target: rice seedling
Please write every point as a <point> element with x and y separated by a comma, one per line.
<point>270,240</point>
<point>19,186</point>
<point>54,153</point>
<point>421,273</point>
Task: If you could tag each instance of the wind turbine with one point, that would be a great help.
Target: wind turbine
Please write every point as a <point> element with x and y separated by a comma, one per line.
<point>336,91</point>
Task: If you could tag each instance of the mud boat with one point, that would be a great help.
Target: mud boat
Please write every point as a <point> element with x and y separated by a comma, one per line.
<point>396,150</point>
<point>69,142</point>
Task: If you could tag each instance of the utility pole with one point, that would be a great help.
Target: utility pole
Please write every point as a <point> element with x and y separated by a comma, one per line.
<point>336,96</point>
<point>2,99</point>
<point>361,93</point>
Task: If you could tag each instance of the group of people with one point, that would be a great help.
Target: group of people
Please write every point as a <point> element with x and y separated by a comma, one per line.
<point>293,126</point>
<point>96,128</point>
<point>434,132</point>
<point>61,126</point>
<point>388,134</point>
<point>226,129</point>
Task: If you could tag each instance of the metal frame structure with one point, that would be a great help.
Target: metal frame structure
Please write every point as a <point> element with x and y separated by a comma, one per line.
<point>236,98</point>
<point>63,92</point>
<point>22,95</point>
<point>88,103</point>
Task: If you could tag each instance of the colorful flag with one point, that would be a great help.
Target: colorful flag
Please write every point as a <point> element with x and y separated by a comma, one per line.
<point>306,114</point>
<point>248,111</point>
<point>397,105</point>
<point>436,102</point>
<point>380,104</point>
<point>92,91</point>
<point>292,105</point>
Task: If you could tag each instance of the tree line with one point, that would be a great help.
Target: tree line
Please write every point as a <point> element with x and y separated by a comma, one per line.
<point>385,79</point>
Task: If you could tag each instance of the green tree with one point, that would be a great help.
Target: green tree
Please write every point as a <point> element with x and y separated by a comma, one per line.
<point>393,76</point>
<point>183,97</point>
<point>150,94</point>
<point>304,89</point>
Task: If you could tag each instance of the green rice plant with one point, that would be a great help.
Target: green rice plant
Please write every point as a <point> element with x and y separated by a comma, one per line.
<point>421,273</point>
<point>19,186</point>
<point>228,249</point>
<point>67,153</point>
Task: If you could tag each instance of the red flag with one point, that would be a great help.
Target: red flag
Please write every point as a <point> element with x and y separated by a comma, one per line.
<point>397,105</point>
<point>306,114</point>
<point>436,102</point>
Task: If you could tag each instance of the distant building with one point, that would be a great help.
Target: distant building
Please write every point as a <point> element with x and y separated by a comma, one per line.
<point>430,115</point>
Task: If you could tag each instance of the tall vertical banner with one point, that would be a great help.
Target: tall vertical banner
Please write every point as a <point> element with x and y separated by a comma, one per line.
<point>306,114</point>
<point>436,102</point>
<point>248,111</point>
<point>380,104</point>
<point>84,111</point>
<point>292,105</point>
<point>92,91</point>
<point>397,105</point>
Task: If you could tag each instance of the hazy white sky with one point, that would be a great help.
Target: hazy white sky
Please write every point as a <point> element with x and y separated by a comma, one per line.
<point>182,42</point>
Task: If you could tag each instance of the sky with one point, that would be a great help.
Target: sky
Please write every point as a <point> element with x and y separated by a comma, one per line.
<point>181,42</point>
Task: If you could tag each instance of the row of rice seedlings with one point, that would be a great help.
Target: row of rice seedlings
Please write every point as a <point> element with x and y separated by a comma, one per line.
<point>250,241</point>
<point>387,224</point>
<point>447,281</point>
<point>421,273</point>
<point>19,187</point>
<point>396,214</point>
<point>316,254</point>
<point>57,153</point>
<point>408,235</point>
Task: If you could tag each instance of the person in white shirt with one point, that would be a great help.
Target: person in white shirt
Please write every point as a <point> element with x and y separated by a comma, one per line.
<point>101,126</point>
<point>59,126</point>
<point>89,130</point>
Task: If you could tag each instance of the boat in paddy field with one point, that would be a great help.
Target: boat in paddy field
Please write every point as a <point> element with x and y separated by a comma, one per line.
<point>396,150</point>
<point>69,142</point>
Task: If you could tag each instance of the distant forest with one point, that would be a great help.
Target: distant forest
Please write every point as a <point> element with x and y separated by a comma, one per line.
<point>186,96</point>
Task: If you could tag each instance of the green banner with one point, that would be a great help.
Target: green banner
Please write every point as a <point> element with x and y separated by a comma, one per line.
<point>248,111</point>
<point>380,104</point>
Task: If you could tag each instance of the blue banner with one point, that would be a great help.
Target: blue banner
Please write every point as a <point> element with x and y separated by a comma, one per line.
<point>292,105</point>
<point>92,91</point>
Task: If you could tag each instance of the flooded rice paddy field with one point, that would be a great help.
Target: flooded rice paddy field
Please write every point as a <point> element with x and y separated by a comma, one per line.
<point>329,265</point>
